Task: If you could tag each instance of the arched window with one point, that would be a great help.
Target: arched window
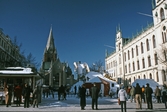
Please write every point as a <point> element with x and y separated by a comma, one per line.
<point>154,41</point>
<point>157,76</point>
<point>162,14</point>
<point>147,45</point>
<point>143,63</point>
<point>128,55</point>
<point>150,76</point>
<point>142,50</point>
<point>133,66</point>
<point>138,77</point>
<point>125,56</point>
<point>137,51</point>
<point>149,61</point>
<point>134,78</point>
<point>156,59</point>
<point>132,53</point>
<point>144,76</point>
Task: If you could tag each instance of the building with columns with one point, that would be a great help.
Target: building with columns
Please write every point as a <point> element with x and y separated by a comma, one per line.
<point>54,71</point>
<point>142,56</point>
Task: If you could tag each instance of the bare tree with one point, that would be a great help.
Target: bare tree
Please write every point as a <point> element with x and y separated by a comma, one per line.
<point>162,55</point>
<point>96,66</point>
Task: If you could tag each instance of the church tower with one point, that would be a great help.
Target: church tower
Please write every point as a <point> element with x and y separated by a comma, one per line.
<point>50,53</point>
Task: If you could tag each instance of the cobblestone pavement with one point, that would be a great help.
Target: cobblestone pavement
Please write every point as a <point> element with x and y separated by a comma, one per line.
<point>72,105</point>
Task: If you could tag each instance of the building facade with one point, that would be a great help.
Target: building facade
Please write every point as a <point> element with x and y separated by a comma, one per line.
<point>143,56</point>
<point>53,70</point>
<point>9,52</point>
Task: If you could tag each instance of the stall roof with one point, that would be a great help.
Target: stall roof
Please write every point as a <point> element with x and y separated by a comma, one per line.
<point>16,71</point>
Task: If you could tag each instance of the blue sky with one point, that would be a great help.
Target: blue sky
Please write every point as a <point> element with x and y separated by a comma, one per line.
<point>81,28</point>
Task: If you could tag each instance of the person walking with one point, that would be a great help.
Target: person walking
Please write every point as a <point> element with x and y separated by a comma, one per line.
<point>94,95</point>
<point>132,93</point>
<point>164,95</point>
<point>148,92</point>
<point>122,95</point>
<point>82,93</point>
<point>143,94</point>
<point>158,94</point>
<point>35,97</point>
<point>138,93</point>
<point>26,95</point>
<point>18,92</point>
<point>8,95</point>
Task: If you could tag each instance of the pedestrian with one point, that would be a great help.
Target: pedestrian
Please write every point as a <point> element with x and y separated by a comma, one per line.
<point>18,92</point>
<point>35,97</point>
<point>82,93</point>
<point>128,91</point>
<point>75,90</point>
<point>158,94</point>
<point>51,91</point>
<point>123,97</point>
<point>148,92</point>
<point>26,95</point>
<point>143,94</point>
<point>164,95</point>
<point>132,94</point>
<point>138,93</point>
<point>8,95</point>
<point>95,94</point>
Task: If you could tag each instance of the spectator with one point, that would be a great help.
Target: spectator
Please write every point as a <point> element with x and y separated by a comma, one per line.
<point>26,95</point>
<point>143,94</point>
<point>138,93</point>
<point>35,97</point>
<point>94,95</point>
<point>148,92</point>
<point>18,92</point>
<point>82,93</point>
<point>158,94</point>
<point>132,94</point>
<point>8,95</point>
<point>122,95</point>
<point>164,95</point>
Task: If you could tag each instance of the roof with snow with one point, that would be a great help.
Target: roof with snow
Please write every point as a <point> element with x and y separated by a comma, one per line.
<point>16,71</point>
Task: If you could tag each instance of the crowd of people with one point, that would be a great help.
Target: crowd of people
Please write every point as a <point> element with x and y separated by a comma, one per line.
<point>16,94</point>
<point>139,95</point>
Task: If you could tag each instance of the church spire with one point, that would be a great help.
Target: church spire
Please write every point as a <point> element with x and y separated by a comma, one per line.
<point>50,43</point>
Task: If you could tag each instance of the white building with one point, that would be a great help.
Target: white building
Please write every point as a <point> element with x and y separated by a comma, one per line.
<point>142,56</point>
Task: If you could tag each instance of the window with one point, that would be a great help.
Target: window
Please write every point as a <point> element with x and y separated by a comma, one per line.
<point>165,56</point>
<point>162,14</point>
<point>143,63</point>
<point>150,76</point>
<point>133,66</point>
<point>142,50</point>
<point>154,41</point>
<point>132,53</point>
<point>156,59</point>
<point>147,43</point>
<point>144,77</point>
<point>149,61</point>
<point>157,76</point>
<point>138,65</point>
<point>129,68</point>
<point>125,56</point>
<point>137,51</point>
<point>128,55</point>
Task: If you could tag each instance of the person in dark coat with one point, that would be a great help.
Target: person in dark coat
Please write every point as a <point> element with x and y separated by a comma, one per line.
<point>18,92</point>
<point>158,94</point>
<point>82,93</point>
<point>26,95</point>
<point>94,95</point>
<point>148,92</point>
<point>138,95</point>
